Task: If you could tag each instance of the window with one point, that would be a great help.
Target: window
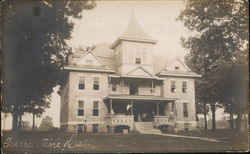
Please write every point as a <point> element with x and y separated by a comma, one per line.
<point>184,87</point>
<point>113,86</point>
<point>173,89</point>
<point>80,108</point>
<point>81,84</point>
<point>185,109</point>
<point>176,67</point>
<point>152,89</point>
<point>96,83</point>
<point>137,60</point>
<point>95,128</point>
<point>96,108</point>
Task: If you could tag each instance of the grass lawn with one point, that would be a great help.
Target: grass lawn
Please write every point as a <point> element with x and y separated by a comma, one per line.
<point>41,142</point>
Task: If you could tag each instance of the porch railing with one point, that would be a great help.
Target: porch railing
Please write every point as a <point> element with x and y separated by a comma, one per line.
<point>120,119</point>
<point>164,120</point>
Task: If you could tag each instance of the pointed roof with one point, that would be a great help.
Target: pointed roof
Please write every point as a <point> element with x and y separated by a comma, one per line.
<point>133,32</point>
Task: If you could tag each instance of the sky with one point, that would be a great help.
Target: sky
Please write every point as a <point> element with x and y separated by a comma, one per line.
<point>109,19</point>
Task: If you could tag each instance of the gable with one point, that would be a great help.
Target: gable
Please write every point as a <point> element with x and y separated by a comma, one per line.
<point>176,65</point>
<point>140,72</point>
<point>89,59</point>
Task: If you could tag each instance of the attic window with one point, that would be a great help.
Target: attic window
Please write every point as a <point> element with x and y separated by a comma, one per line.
<point>176,67</point>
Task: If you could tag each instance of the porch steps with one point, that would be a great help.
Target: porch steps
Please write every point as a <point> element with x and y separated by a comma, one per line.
<point>146,128</point>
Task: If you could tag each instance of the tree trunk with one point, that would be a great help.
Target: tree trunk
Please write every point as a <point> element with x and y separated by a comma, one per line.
<point>15,118</point>
<point>20,121</point>
<point>205,120</point>
<point>205,115</point>
<point>231,120</point>
<point>213,109</point>
<point>33,124</point>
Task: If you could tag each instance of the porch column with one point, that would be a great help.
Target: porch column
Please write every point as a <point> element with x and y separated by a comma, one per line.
<point>110,105</point>
<point>157,103</point>
<point>122,85</point>
<point>132,104</point>
<point>152,86</point>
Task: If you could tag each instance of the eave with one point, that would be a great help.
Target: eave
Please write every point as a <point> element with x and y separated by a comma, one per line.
<point>89,69</point>
<point>117,41</point>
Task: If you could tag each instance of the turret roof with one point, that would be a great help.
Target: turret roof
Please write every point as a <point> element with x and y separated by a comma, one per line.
<point>134,32</point>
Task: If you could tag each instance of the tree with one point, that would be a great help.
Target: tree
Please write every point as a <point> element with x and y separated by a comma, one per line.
<point>46,124</point>
<point>233,87</point>
<point>220,32</point>
<point>37,108</point>
<point>25,125</point>
<point>34,38</point>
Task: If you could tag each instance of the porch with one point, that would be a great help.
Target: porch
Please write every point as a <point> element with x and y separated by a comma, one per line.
<point>129,109</point>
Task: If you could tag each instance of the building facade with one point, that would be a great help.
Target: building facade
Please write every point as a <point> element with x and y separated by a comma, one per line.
<point>120,85</point>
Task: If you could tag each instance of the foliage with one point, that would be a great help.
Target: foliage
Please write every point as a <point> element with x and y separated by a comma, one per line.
<point>35,34</point>
<point>25,125</point>
<point>233,85</point>
<point>46,124</point>
<point>220,34</point>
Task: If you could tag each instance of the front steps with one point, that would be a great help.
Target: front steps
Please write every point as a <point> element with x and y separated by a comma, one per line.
<point>146,128</point>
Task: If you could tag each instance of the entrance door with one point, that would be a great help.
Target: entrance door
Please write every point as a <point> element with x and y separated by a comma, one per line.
<point>144,111</point>
<point>133,89</point>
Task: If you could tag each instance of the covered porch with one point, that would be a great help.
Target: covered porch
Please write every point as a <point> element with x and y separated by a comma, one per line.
<point>127,109</point>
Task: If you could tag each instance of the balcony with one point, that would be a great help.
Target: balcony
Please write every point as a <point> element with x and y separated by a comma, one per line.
<point>135,87</point>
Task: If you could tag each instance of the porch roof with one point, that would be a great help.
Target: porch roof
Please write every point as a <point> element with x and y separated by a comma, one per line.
<point>134,97</point>
<point>135,77</point>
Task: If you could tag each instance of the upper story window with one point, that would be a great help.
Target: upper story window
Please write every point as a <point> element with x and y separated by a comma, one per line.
<point>185,109</point>
<point>176,67</point>
<point>137,58</point>
<point>173,88</point>
<point>114,86</point>
<point>81,84</point>
<point>80,111</point>
<point>96,83</point>
<point>152,89</point>
<point>184,87</point>
<point>95,108</point>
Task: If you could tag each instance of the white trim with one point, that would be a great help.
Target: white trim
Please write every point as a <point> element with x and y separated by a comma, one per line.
<point>194,75</point>
<point>92,54</point>
<point>89,69</point>
<point>143,69</point>
<point>116,42</point>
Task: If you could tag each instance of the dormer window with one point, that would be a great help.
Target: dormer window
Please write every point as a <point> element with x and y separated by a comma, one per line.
<point>177,68</point>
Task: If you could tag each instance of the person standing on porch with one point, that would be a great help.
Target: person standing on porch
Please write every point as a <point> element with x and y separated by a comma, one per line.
<point>128,107</point>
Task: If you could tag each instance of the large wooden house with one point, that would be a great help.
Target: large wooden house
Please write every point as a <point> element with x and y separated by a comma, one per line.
<point>125,86</point>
